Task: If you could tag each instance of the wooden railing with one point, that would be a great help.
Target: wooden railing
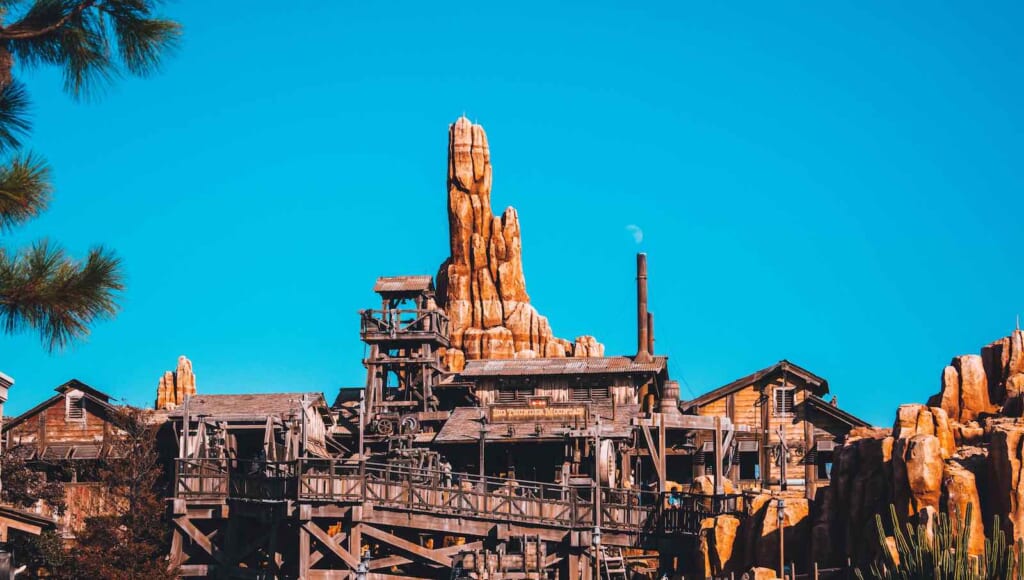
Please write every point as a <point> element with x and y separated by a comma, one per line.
<point>197,479</point>
<point>393,324</point>
<point>457,495</point>
<point>682,513</point>
<point>466,495</point>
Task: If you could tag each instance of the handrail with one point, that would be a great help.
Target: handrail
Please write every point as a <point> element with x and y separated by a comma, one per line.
<point>416,489</point>
<point>392,322</point>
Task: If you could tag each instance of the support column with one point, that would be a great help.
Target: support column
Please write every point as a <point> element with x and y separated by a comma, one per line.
<point>304,555</point>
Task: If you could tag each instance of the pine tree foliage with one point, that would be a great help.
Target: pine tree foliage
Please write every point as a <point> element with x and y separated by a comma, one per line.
<point>93,42</point>
<point>943,554</point>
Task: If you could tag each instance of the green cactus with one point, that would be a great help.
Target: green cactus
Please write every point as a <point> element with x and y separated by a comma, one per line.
<point>944,556</point>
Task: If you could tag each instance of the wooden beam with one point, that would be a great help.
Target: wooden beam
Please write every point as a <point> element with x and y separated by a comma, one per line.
<point>415,550</point>
<point>655,457</point>
<point>391,561</point>
<point>328,543</point>
<point>304,554</point>
<point>316,555</point>
<point>199,538</point>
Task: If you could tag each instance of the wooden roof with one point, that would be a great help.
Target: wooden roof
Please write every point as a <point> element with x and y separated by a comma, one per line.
<point>835,412</point>
<point>816,384</point>
<point>246,406</point>
<point>561,366</point>
<point>403,284</point>
<point>465,423</point>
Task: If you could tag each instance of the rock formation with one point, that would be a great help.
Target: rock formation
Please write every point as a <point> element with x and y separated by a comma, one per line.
<point>966,448</point>
<point>175,385</point>
<point>481,285</point>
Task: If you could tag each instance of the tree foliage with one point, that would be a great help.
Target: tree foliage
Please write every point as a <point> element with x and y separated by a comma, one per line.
<point>131,540</point>
<point>942,554</point>
<point>93,42</point>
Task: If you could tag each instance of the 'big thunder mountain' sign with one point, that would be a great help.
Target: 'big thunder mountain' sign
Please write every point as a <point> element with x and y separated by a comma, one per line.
<point>539,410</point>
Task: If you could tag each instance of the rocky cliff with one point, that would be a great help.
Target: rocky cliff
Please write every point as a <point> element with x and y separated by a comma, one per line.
<point>963,447</point>
<point>175,385</point>
<point>481,285</point>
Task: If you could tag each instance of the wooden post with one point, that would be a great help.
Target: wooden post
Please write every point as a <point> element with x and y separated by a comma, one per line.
<point>814,570</point>
<point>719,486</point>
<point>661,452</point>
<point>303,552</point>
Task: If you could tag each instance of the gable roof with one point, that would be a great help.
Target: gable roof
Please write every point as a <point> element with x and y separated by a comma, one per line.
<point>80,386</point>
<point>561,366</point>
<point>96,396</point>
<point>835,412</point>
<point>817,385</point>
<point>246,406</point>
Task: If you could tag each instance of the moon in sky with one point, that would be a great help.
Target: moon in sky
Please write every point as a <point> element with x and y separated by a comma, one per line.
<point>638,234</point>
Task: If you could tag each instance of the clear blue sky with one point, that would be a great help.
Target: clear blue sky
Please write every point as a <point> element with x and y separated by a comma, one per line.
<point>836,184</point>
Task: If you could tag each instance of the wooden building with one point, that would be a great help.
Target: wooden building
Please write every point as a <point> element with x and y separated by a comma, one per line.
<point>786,431</point>
<point>64,437</point>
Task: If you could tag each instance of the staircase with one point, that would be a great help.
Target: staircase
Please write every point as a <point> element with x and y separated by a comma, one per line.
<point>613,564</point>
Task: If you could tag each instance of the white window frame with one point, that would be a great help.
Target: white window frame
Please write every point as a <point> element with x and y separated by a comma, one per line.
<point>76,397</point>
<point>780,410</point>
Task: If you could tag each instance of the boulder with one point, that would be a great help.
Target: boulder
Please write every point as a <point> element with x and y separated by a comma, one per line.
<point>764,538</point>
<point>916,419</point>
<point>917,473</point>
<point>960,490</point>
<point>716,546</point>
<point>1006,484</point>
<point>760,573</point>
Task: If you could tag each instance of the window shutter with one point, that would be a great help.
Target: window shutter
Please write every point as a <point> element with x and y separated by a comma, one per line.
<point>75,407</point>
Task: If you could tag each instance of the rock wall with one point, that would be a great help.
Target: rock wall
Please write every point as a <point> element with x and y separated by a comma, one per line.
<point>965,448</point>
<point>175,385</point>
<point>481,285</point>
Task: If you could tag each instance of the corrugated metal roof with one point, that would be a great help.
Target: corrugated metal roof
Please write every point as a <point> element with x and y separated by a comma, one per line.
<point>404,284</point>
<point>561,366</point>
<point>248,405</point>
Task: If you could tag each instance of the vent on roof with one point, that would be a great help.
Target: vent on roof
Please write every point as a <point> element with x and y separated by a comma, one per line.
<point>596,394</point>
<point>74,406</point>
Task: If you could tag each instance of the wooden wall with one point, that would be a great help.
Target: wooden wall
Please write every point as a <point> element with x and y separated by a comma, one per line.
<point>621,389</point>
<point>50,425</point>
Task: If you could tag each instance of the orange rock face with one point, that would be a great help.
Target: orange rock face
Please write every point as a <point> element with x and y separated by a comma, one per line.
<point>175,386</point>
<point>481,285</point>
<point>1006,485</point>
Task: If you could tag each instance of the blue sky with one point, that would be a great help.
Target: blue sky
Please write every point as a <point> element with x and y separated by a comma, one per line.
<point>836,184</point>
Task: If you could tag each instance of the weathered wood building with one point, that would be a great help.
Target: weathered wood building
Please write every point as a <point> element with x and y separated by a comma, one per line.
<point>787,431</point>
<point>63,437</point>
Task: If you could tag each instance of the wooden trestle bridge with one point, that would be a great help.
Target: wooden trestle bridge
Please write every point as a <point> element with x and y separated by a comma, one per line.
<point>332,505</point>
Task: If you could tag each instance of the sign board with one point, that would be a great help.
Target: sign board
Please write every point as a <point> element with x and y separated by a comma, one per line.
<point>539,410</point>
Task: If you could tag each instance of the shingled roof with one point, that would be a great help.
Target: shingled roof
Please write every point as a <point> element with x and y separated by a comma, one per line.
<point>403,284</point>
<point>562,366</point>
<point>251,405</point>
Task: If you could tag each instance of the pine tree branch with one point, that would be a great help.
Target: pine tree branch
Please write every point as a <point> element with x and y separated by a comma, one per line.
<point>21,31</point>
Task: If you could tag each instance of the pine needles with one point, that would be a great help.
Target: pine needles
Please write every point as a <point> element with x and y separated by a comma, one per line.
<point>92,42</point>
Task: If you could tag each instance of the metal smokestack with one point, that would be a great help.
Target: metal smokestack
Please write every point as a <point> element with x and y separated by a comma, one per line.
<point>650,333</point>
<point>642,334</point>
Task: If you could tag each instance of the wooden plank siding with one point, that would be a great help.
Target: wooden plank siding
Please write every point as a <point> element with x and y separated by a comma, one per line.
<point>753,406</point>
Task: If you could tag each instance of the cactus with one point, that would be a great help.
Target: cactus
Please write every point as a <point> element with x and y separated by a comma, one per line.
<point>944,556</point>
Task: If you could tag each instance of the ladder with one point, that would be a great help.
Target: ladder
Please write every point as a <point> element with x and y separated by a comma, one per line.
<point>613,564</point>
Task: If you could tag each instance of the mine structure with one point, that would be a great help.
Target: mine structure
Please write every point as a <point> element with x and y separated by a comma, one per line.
<point>481,445</point>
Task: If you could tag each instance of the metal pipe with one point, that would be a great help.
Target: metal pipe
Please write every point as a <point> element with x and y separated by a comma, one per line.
<point>650,333</point>
<point>642,354</point>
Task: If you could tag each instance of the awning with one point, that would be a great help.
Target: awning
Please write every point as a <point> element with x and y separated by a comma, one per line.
<point>747,446</point>
<point>825,445</point>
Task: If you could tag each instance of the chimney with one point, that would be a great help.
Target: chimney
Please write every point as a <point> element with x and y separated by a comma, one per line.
<point>650,333</point>
<point>642,334</point>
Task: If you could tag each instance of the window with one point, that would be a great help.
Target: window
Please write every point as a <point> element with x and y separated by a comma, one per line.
<point>590,393</point>
<point>784,401</point>
<point>74,409</point>
<point>514,394</point>
<point>750,467</point>
<point>824,466</point>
